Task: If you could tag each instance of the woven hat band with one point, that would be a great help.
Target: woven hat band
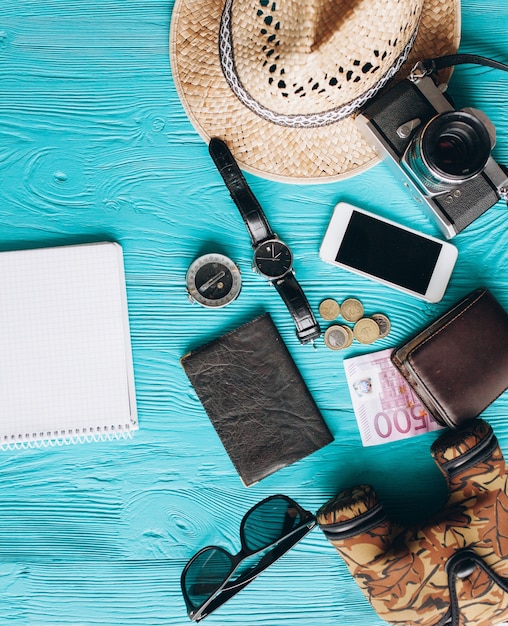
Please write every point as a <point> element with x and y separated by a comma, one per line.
<point>303,120</point>
<point>308,63</point>
<point>281,80</point>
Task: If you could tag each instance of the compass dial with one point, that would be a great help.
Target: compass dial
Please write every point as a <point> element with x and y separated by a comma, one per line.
<point>213,280</point>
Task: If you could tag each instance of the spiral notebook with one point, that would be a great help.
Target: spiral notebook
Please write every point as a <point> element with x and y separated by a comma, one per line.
<point>66,371</point>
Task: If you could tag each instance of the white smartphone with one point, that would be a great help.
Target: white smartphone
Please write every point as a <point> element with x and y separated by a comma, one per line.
<point>385,251</point>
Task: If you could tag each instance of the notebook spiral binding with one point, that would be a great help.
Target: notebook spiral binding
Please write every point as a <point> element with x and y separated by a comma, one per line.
<point>45,440</point>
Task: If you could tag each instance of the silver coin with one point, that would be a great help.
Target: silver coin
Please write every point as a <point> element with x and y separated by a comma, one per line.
<point>384,324</point>
<point>338,337</point>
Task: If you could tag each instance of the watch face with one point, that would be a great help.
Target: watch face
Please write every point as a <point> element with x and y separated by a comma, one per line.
<point>273,258</point>
<point>213,280</point>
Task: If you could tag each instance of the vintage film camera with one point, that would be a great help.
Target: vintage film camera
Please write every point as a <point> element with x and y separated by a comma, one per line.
<point>443,153</point>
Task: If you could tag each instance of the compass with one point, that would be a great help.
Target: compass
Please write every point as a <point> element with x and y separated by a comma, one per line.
<point>213,280</point>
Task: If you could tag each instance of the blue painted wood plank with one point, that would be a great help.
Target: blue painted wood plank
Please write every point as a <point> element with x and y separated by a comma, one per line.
<point>94,143</point>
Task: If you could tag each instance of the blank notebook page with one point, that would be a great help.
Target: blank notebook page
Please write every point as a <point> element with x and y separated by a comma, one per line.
<point>65,354</point>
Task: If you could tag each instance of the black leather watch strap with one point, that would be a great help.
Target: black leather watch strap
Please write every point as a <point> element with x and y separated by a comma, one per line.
<point>247,204</point>
<point>290,291</point>
<point>307,328</point>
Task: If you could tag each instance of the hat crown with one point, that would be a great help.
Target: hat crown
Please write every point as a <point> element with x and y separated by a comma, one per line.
<point>314,24</point>
<point>297,57</point>
<point>232,85</point>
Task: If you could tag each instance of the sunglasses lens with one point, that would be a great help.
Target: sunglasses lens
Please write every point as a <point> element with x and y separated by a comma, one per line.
<point>269,522</point>
<point>206,574</point>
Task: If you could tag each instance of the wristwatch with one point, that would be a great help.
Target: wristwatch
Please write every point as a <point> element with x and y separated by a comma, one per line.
<point>272,257</point>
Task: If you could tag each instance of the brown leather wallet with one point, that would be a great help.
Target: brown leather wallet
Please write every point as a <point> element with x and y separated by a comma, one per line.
<point>459,364</point>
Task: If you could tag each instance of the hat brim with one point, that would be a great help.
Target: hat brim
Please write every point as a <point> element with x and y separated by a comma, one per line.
<point>298,155</point>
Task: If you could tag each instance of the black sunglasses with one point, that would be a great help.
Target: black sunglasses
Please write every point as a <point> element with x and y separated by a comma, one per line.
<point>213,575</point>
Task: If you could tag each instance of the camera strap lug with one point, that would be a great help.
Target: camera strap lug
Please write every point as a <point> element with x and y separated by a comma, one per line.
<point>503,188</point>
<point>408,127</point>
<point>432,66</point>
<point>422,69</point>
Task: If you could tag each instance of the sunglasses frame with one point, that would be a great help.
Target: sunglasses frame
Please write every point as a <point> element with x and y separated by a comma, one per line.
<point>274,551</point>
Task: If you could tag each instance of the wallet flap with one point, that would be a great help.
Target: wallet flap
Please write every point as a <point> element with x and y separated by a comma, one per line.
<point>459,364</point>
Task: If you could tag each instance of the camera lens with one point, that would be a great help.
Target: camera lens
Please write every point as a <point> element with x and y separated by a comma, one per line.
<point>455,146</point>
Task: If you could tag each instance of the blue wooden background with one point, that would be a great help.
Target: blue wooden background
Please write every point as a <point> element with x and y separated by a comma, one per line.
<point>94,144</point>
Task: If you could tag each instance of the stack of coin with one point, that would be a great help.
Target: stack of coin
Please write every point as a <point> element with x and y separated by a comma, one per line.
<point>366,330</point>
<point>338,337</point>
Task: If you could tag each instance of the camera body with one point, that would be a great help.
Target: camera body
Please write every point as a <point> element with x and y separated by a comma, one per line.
<point>442,153</point>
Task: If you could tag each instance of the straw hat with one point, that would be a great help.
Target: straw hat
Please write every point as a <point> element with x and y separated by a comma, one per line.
<point>281,80</point>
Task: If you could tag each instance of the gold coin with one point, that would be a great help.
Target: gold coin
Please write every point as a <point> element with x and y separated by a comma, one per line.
<point>366,330</point>
<point>329,309</point>
<point>338,337</point>
<point>384,324</point>
<point>352,309</point>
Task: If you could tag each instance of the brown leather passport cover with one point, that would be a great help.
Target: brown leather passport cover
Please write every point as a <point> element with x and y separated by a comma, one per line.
<point>256,399</point>
<point>459,364</point>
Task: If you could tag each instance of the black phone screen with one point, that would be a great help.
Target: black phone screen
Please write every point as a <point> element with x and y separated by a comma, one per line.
<point>388,252</point>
